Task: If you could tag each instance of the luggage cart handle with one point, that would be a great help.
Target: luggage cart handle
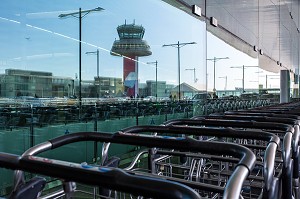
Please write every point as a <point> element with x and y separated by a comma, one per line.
<point>111,178</point>
<point>247,158</point>
<point>228,123</point>
<point>240,124</point>
<point>206,131</point>
<point>291,137</point>
<point>262,113</point>
<point>256,118</point>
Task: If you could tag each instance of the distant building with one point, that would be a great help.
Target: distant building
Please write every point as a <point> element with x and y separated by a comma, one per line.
<point>186,91</point>
<point>161,88</point>
<point>17,82</point>
<point>143,90</point>
<point>109,86</point>
<point>25,83</point>
<point>61,87</point>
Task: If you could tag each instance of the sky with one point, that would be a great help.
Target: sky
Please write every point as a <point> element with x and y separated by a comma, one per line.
<point>33,37</point>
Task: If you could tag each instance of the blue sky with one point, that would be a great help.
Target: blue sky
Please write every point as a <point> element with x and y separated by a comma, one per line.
<point>34,38</point>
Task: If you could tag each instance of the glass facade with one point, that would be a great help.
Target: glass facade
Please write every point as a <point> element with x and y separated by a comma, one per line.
<point>188,48</point>
<point>92,65</point>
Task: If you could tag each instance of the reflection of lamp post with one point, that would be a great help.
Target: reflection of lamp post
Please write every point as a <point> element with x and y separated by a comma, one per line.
<point>243,67</point>
<point>225,77</point>
<point>255,81</point>
<point>237,88</point>
<point>80,16</point>
<point>98,78</point>
<point>194,69</point>
<point>215,59</point>
<point>155,62</point>
<point>73,88</point>
<point>178,46</point>
<point>270,78</point>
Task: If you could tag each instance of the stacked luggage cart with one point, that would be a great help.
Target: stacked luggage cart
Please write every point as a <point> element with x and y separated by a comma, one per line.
<point>239,154</point>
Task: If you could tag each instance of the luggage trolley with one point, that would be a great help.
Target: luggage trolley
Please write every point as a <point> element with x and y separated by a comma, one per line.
<point>111,178</point>
<point>244,157</point>
<point>283,106</point>
<point>288,118</point>
<point>263,183</point>
<point>286,131</point>
<point>277,118</point>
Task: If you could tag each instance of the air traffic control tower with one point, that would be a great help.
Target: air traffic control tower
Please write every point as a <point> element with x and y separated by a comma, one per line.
<point>131,46</point>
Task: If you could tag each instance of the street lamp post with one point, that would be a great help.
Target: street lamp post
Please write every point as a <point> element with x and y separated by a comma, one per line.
<point>225,77</point>
<point>80,14</point>
<point>98,77</point>
<point>155,62</point>
<point>178,45</point>
<point>243,79</point>
<point>272,78</point>
<point>193,69</point>
<point>215,59</point>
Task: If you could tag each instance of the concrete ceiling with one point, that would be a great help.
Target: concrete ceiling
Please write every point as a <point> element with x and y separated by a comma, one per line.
<point>270,25</point>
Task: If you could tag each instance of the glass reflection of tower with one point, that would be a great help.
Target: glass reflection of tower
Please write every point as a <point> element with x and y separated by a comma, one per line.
<point>131,45</point>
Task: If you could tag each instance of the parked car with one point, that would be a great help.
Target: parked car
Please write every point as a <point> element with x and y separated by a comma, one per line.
<point>149,98</point>
<point>201,97</point>
<point>249,96</point>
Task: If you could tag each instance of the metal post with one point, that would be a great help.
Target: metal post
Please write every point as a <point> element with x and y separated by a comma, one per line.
<point>215,59</point>
<point>80,61</point>
<point>98,77</point>
<point>98,63</point>
<point>179,90</point>
<point>156,79</point>
<point>243,78</point>
<point>95,129</point>
<point>193,69</point>
<point>178,45</point>
<point>214,74</point>
<point>74,14</point>
<point>31,128</point>
<point>225,77</point>
<point>195,79</point>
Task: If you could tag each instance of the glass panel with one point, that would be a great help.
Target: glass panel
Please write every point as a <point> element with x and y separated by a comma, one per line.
<point>232,56</point>
<point>41,43</point>
<point>230,72</point>
<point>132,57</point>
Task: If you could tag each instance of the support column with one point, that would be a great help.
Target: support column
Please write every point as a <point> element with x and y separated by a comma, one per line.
<point>130,76</point>
<point>284,86</point>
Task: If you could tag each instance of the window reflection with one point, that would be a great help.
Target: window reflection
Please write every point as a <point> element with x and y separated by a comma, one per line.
<point>37,39</point>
